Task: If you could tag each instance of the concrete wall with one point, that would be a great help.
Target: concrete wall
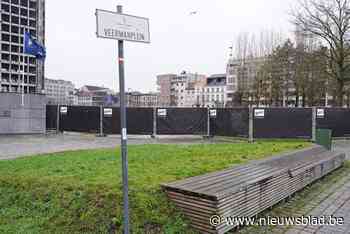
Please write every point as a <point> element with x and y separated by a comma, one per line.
<point>27,119</point>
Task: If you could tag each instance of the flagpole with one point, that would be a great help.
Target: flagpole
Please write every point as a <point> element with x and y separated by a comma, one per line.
<point>23,69</point>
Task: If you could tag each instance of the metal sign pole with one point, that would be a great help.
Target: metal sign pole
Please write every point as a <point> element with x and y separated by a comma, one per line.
<point>124,138</point>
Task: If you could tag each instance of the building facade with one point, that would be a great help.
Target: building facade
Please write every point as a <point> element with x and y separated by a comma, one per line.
<point>215,91</point>
<point>194,90</point>
<point>179,90</point>
<point>93,96</point>
<point>164,89</point>
<point>241,77</point>
<point>143,100</point>
<point>21,72</point>
<point>59,92</point>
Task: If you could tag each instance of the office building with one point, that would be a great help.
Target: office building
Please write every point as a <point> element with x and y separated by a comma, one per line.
<point>59,92</point>
<point>21,72</point>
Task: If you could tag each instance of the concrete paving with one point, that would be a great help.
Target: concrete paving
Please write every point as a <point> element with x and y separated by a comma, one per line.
<point>12,147</point>
<point>336,205</point>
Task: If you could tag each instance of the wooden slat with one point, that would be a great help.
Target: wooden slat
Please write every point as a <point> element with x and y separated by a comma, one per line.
<point>248,190</point>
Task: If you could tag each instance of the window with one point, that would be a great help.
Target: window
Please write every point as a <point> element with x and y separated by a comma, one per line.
<point>5,28</point>
<point>5,7</point>
<point>14,29</point>
<point>24,12</point>
<point>14,10</point>
<point>5,37</point>
<point>32,5</point>
<point>32,14</point>
<point>15,19</point>
<point>24,3</point>
<point>5,18</point>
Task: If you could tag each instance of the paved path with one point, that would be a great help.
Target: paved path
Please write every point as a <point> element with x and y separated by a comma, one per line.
<point>12,147</point>
<point>336,205</point>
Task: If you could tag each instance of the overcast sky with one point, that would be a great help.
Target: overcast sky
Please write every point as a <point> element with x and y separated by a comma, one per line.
<point>179,41</point>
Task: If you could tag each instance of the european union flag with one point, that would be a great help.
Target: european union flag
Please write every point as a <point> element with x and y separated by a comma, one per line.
<point>32,47</point>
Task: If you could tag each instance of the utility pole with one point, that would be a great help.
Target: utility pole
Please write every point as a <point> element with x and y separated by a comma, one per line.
<point>124,137</point>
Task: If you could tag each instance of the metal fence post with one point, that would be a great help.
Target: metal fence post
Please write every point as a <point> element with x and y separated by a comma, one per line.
<point>154,135</point>
<point>58,120</point>
<point>314,119</point>
<point>101,121</point>
<point>251,124</point>
<point>208,129</point>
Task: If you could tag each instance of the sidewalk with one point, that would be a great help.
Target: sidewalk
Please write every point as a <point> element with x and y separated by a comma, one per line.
<point>336,205</point>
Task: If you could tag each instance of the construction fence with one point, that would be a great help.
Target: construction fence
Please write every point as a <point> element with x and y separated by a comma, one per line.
<point>235,122</point>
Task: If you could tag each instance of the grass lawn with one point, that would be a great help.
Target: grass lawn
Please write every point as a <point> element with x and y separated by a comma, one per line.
<point>80,192</point>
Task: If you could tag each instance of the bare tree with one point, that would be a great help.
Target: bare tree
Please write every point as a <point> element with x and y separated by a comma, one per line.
<point>328,20</point>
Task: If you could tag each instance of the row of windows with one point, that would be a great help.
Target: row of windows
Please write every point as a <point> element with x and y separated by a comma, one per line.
<point>13,48</point>
<point>18,20</point>
<point>23,3</point>
<point>6,88</point>
<point>18,11</point>
<point>15,29</point>
<point>17,58</point>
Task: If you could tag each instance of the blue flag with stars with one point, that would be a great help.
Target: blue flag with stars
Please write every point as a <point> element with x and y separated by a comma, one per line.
<point>32,47</point>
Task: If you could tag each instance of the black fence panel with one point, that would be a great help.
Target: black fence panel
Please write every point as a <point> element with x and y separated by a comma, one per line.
<point>283,123</point>
<point>111,123</point>
<point>182,121</point>
<point>51,117</point>
<point>230,122</point>
<point>139,121</point>
<point>336,119</point>
<point>80,119</point>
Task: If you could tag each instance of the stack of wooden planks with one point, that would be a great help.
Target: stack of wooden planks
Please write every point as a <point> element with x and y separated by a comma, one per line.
<point>246,191</point>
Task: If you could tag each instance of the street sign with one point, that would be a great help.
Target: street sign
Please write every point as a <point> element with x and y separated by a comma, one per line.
<point>122,27</point>
<point>117,26</point>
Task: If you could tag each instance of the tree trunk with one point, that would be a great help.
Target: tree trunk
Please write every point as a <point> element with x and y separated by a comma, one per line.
<point>304,101</point>
<point>340,93</point>
<point>297,99</point>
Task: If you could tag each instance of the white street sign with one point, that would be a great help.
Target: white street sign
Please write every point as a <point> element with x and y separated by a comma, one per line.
<point>112,25</point>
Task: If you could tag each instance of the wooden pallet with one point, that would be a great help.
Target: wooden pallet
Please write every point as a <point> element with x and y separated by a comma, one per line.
<point>246,191</point>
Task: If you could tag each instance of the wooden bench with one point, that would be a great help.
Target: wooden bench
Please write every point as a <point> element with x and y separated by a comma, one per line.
<point>246,191</point>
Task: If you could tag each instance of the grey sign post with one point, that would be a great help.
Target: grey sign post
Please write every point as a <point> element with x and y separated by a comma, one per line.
<point>118,26</point>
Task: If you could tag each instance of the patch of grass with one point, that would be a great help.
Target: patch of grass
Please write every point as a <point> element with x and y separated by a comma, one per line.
<point>81,192</point>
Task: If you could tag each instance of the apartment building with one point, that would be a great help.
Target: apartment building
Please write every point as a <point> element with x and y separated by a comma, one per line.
<point>143,100</point>
<point>59,92</point>
<point>178,90</point>
<point>92,96</point>
<point>194,90</point>
<point>164,89</point>
<point>18,70</point>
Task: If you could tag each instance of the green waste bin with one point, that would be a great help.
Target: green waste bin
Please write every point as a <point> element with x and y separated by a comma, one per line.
<point>324,138</point>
